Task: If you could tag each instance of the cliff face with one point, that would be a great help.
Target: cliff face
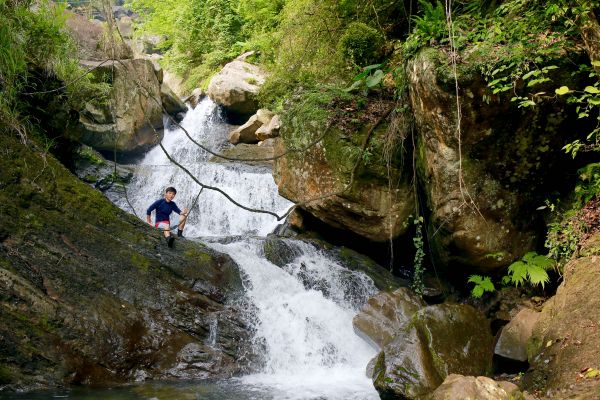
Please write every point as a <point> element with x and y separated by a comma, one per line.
<point>91,294</point>
<point>483,172</point>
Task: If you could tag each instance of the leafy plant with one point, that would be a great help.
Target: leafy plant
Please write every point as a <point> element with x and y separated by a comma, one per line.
<point>482,284</point>
<point>587,102</point>
<point>361,44</point>
<point>370,77</point>
<point>417,283</point>
<point>530,269</point>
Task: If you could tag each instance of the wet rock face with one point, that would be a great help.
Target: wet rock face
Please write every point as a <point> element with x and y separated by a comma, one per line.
<point>484,184</point>
<point>90,294</point>
<point>566,338</point>
<point>512,343</point>
<point>281,251</point>
<point>385,314</point>
<point>439,340</point>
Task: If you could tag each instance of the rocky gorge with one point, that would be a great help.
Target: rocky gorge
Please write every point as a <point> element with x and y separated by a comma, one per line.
<point>90,295</point>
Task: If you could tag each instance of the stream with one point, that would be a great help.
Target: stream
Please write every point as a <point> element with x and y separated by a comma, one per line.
<point>302,312</point>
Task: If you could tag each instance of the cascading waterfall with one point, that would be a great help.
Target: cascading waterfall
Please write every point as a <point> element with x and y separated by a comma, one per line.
<point>304,310</point>
<point>213,215</point>
<point>311,348</point>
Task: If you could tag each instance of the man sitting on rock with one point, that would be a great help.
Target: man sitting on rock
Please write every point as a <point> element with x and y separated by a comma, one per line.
<point>164,207</point>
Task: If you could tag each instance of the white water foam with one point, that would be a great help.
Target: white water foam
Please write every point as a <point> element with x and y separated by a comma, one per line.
<point>310,348</point>
<point>213,214</point>
<point>304,310</point>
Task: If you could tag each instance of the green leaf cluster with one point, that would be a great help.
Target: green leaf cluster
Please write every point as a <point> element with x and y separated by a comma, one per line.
<point>531,269</point>
<point>482,285</point>
<point>370,77</point>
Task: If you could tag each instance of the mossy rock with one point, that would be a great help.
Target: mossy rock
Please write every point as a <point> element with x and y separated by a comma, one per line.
<point>95,290</point>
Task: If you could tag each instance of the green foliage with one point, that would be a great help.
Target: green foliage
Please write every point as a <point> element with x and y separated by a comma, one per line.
<point>360,44</point>
<point>197,34</point>
<point>573,223</point>
<point>587,101</point>
<point>33,43</point>
<point>482,285</point>
<point>563,239</point>
<point>429,27</point>
<point>530,269</point>
<point>417,283</point>
<point>370,77</point>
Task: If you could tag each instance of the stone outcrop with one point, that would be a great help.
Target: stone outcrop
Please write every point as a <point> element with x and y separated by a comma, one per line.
<point>195,97</point>
<point>248,152</point>
<point>171,103</point>
<point>128,119</point>
<point>132,119</point>
<point>386,314</point>
<point>474,388</point>
<point>565,344</point>
<point>91,40</point>
<point>281,252</point>
<point>512,343</point>
<point>439,340</point>
<point>91,295</point>
<point>235,88</point>
<point>321,179</point>
<point>261,126</point>
<point>484,182</point>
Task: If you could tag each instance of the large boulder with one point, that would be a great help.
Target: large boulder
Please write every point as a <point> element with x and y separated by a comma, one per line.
<point>386,314</point>
<point>440,340</point>
<point>92,39</point>
<point>235,88</point>
<point>484,181</point>
<point>171,103</point>
<point>512,343</point>
<point>324,181</point>
<point>565,345</point>
<point>131,119</point>
<point>259,122</point>
<point>90,294</point>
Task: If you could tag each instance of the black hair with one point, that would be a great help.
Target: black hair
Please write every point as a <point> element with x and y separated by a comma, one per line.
<point>171,189</point>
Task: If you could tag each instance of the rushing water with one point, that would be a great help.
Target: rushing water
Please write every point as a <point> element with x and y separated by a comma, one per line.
<point>302,311</point>
<point>212,215</point>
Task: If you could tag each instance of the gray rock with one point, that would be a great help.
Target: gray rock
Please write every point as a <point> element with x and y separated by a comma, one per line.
<point>171,103</point>
<point>386,314</point>
<point>474,388</point>
<point>440,340</point>
<point>132,120</point>
<point>235,87</point>
<point>513,339</point>
<point>246,132</point>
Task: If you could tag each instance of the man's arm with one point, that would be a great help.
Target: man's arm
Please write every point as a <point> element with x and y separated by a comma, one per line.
<point>150,209</point>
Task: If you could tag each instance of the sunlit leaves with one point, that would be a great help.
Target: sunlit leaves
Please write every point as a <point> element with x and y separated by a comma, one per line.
<point>482,285</point>
<point>530,269</point>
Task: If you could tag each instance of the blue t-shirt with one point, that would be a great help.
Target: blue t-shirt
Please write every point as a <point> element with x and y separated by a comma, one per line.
<point>163,209</point>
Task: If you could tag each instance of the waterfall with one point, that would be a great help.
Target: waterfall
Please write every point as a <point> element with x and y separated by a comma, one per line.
<point>213,214</point>
<point>310,348</point>
<point>304,310</point>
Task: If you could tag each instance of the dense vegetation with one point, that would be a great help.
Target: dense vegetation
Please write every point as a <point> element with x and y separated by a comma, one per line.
<point>38,65</point>
<point>324,52</point>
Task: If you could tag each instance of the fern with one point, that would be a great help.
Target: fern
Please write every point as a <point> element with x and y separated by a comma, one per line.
<point>482,285</point>
<point>530,269</point>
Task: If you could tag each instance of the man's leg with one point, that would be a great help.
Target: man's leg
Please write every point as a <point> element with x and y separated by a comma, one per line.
<point>181,224</point>
<point>166,228</point>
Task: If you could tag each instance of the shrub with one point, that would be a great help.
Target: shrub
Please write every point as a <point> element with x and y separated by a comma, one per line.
<point>361,44</point>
